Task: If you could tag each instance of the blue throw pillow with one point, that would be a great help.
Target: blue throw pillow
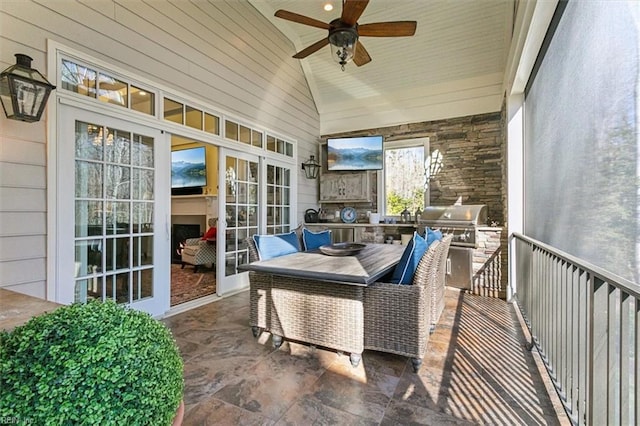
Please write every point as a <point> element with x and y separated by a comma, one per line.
<point>403,274</point>
<point>270,246</point>
<point>430,235</point>
<point>313,240</point>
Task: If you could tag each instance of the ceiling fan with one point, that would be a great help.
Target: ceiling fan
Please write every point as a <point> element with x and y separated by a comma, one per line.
<point>345,31</point>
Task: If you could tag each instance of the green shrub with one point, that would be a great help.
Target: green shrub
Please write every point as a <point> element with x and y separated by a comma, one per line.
<point>97,363</point>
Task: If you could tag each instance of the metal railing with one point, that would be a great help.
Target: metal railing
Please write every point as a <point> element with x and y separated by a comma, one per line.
<point>585,322</point>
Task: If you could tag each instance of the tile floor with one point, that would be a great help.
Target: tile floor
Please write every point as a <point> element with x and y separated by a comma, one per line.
<point>476,371</point>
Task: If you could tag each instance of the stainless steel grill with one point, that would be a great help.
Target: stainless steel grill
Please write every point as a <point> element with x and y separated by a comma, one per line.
<point>461,221</point>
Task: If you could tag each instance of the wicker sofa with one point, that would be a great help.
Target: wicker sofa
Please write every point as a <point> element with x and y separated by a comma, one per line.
<point>399,318</point>
<point>437,293</point>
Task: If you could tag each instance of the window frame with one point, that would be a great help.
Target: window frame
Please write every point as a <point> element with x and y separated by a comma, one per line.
<point>382,177</point>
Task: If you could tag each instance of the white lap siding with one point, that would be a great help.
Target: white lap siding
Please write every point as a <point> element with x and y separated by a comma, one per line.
<point>225,54</point>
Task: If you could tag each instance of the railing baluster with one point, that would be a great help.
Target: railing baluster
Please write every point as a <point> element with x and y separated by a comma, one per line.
<point>586,324</point>
<point>626,344</point>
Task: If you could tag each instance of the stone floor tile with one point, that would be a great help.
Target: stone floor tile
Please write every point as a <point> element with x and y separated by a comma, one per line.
<point>219,413</point>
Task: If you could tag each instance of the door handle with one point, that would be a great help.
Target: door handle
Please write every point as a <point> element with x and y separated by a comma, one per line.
<point>448,266</point>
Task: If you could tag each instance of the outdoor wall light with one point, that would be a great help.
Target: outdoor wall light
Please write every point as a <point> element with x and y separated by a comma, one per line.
<point>24,91</point>
<point>311,168</point>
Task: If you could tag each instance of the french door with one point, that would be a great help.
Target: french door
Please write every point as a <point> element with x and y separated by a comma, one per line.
<point>255,197</point>
<point>238,196</point>
<point>112,207</point>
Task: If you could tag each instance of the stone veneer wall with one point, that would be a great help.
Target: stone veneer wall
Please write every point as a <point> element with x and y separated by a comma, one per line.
<point>473,171</point>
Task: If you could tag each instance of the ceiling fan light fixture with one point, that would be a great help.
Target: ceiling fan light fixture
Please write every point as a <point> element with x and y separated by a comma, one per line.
<point>343,41</point>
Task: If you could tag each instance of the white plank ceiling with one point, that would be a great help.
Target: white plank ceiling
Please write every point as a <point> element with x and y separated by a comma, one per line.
<point>453,65</point>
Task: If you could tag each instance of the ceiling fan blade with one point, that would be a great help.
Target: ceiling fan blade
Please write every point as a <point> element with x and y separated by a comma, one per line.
<point>388,29</point>
<point>361,56</point>
<point>301,19</point>
<point>311,49</point>
<point>352,10</point>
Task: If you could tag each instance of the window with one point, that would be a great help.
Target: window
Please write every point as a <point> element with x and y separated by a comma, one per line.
<point>278,145</point>
<point>405,177</point>
<point>96,84</point>
<point>190,116</point>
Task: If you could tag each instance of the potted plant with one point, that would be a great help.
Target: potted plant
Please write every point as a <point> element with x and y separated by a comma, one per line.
<point>94,363</point>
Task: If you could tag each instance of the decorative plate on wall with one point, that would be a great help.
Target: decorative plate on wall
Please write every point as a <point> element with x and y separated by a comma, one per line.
<point>348,215</point>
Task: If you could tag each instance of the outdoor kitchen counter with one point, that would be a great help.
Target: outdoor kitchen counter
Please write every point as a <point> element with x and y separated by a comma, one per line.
<point>365,232</point>
<point>17,308</point>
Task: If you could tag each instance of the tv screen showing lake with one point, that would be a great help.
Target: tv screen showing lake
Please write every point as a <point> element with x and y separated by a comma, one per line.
<point>188,168</point>
<point>364,153</point>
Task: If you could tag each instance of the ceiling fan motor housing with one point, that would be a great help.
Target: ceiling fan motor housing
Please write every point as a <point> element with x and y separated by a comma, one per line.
<point>342,38</point>
<point>341,33</point>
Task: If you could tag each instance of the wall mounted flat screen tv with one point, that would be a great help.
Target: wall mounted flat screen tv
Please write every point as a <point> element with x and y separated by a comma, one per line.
<point>189,168</point>
<point>355,153</point>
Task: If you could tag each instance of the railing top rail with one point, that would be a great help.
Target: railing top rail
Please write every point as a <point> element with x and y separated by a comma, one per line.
<point>611,278</point>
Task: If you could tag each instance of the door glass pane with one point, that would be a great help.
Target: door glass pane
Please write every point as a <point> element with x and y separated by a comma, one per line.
<point>142,151</point>
<point>278,199</point>
<point>117,182</point>
<point>142,217</point>
<point>117,146</point>
<point>142,251</point>
<point>117,218</point>
<point>146,250</point>
<point>146,283</point>
<point>88,180</point>
<point>122,287</point>
<point>88,218</point>
<point>142,184</point>
<point>242,192</point>
<point>89,141</point>
<point>114,209</point>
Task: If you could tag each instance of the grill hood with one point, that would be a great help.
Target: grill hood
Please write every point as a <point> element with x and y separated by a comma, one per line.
<point>467,215</point>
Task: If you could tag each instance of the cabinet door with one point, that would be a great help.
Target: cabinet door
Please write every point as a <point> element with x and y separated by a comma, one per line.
<point>344,187</point>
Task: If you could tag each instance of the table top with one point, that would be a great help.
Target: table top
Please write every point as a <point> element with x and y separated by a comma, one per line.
<point>364,268</point>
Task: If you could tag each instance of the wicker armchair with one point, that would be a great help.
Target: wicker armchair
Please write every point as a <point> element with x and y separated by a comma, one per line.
<point>397,318</point>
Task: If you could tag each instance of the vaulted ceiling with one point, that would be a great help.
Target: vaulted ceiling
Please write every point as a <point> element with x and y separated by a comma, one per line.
<point>453,66</point>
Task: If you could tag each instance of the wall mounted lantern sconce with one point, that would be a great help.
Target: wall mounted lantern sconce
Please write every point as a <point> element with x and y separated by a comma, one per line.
<point>311,168</point>
<point>24,91</point>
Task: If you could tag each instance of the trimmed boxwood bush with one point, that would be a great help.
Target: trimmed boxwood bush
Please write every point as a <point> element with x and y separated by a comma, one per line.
<point>96,363</point>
